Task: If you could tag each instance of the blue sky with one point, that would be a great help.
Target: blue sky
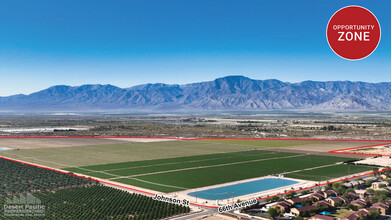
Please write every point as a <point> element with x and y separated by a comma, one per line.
<point>125,43</point>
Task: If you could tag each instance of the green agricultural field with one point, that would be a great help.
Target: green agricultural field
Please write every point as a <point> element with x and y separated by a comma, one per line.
<point>176,160</point>
<point>178,165</point>
<point>62,157</point>
<point>331,172</point>
<point>151,166</point>
<point>105,154</point>
<point>222,174</point>
<point>176,174</point>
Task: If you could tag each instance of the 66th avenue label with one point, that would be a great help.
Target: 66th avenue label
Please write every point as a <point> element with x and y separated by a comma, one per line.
<point>236,206</point>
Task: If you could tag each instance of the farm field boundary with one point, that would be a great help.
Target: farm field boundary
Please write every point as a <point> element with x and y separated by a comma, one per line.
<point>343,151</point>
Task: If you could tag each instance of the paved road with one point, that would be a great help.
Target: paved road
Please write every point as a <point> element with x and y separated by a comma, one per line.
<point>196,215</point>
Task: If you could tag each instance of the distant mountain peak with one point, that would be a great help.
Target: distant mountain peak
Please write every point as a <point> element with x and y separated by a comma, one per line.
<point>234,77</point>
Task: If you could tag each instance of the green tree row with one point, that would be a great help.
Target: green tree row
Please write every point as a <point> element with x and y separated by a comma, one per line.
<point>102,202</point>
<point>16,178</point>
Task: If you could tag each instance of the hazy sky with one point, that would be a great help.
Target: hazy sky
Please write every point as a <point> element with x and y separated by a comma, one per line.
<point>125,43</point>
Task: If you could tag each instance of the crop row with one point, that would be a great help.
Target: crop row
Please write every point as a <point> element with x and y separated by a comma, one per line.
<point>101,202</point>
<point>16,178</point>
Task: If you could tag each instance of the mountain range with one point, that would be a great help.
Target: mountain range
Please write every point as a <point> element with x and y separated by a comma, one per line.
<point>227,93</point>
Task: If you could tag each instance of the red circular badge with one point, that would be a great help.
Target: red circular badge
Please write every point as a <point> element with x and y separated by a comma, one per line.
<point>353,32</point>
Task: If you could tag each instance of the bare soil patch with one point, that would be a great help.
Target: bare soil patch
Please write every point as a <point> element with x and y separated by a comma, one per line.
<point>332,145</point>
<point>32,143</point>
